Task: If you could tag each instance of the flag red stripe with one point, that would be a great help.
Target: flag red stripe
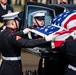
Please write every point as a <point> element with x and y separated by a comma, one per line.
<point>58,43</point>
<point>70,19</point>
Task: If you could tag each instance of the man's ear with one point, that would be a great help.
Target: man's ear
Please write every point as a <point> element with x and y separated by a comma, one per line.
<point>13,22</point>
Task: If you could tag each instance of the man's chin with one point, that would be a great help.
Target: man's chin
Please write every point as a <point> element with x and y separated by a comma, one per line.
<point>41,25</point>
<point>4,3</point>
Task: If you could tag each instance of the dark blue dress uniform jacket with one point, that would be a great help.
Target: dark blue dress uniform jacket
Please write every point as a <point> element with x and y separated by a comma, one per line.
<point>10,45</point>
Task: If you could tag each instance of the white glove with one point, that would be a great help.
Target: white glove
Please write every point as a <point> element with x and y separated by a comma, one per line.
<point>73,34</point>
<point>26,30</point>
<point>50,37</point>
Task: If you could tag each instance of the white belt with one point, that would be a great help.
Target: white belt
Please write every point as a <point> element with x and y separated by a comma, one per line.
<point>11,58</point>
<point>72,67</point>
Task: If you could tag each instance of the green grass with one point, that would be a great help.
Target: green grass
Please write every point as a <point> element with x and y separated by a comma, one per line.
<point>17,7</point>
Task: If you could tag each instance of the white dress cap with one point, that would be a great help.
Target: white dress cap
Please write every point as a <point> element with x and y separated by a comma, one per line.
<point>39,14</point>
<point>10,16</point>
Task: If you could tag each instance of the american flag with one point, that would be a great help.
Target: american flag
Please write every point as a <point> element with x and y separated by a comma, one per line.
<point>66,19</point>
<point>47,30</point>
<point>62,26</point>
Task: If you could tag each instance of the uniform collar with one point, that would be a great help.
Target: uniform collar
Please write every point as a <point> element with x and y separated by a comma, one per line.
<point>10,28</point>
<point>4,7</point>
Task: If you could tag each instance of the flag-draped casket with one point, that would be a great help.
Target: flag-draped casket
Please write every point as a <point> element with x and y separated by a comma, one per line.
<point>63,26</point>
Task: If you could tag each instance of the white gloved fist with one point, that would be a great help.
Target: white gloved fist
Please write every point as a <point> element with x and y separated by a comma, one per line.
<point>26,30</point>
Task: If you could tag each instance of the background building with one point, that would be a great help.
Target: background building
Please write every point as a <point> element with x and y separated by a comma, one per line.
<point>47,1</point>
